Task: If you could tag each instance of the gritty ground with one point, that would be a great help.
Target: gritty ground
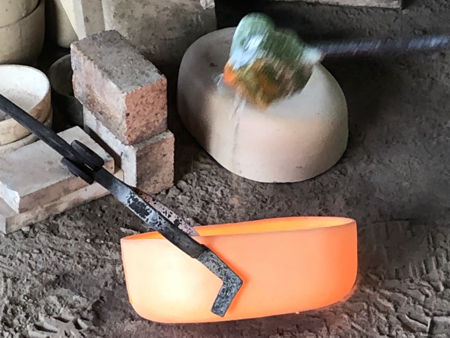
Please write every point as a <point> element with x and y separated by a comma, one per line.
<point>65,273</point>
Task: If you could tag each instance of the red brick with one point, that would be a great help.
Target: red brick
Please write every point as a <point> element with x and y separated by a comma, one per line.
<point>154,160</point>
<point>124,90</point>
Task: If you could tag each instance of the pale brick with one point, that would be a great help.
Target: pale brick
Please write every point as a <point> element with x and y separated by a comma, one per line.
<point>33,175</point>
<point>12,221</point>
<point>125,91</point>
<point>149,165</point>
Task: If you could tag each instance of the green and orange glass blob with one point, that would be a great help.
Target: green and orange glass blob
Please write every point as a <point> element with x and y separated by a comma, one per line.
<point>266,64</point>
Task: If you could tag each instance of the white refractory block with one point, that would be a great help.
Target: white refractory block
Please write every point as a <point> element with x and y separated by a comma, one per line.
<point>149,165</point>
<point>11,221</point>
<point>33,176</point>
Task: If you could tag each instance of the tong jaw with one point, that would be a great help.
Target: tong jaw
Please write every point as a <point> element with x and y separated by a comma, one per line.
<point>231,281</point>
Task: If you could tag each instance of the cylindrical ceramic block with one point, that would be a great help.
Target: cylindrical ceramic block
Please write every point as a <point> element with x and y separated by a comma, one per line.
<point>22,41</point>
<point>59,24</point>
<point>13,10</point>
<point>292,140</point>
<point>29,88</point>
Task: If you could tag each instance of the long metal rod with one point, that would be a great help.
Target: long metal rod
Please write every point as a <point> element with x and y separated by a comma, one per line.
<point>382,46</point>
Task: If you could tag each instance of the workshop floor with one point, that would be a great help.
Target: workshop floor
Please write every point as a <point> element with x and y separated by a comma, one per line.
<point>394,180</point>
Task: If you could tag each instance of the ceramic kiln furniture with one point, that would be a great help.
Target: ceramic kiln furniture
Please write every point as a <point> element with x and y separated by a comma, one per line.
<point>22,40</point>
<point>293,140</point>
<point>287,265</point>
<point>29,88</point>
<point>14,10</point>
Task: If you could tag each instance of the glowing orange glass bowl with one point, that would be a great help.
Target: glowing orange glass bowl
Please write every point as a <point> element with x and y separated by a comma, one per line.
<point>287,265</point>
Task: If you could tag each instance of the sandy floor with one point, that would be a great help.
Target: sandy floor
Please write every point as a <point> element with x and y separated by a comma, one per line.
<point>394,179</point>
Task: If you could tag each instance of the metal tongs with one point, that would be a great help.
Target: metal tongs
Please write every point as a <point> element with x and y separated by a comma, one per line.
<point>86,164</point>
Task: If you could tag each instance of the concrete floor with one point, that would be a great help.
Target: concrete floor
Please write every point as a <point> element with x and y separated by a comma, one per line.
<point>394,180</point>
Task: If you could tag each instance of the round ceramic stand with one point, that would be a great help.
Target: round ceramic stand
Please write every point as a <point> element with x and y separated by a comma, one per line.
<point>14,10</point>
<point>22,41</point>
<point>29,88</point>
<point>294,139</point>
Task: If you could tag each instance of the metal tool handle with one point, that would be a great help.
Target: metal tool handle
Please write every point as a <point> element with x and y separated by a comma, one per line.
<point>85,163</point>
<point>382,46</point>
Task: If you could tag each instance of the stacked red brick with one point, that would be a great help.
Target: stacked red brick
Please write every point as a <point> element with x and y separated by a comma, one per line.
<point>125,107</point>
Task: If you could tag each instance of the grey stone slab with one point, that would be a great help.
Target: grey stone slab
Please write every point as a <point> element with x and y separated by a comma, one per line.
<point>161,29</point>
